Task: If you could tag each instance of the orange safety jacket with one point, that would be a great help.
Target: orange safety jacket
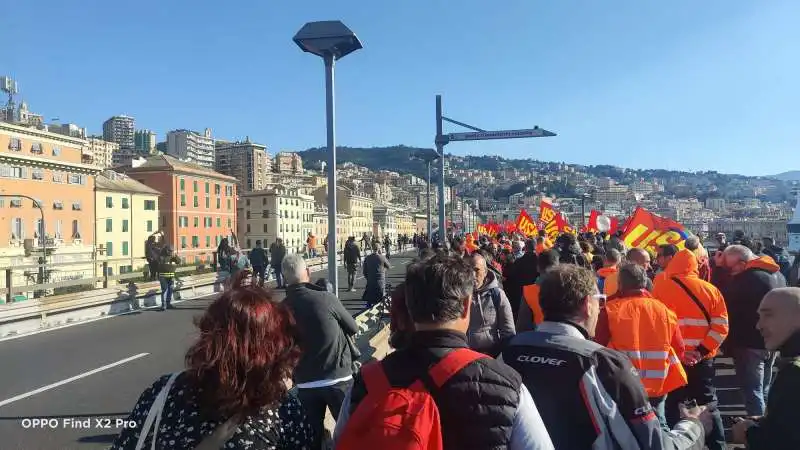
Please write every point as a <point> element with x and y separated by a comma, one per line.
<point>700,333</point>
<point>643,328</point>
<point>531,294</point>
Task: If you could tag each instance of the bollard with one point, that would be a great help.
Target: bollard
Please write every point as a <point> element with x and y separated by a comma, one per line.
<point>9,295</point>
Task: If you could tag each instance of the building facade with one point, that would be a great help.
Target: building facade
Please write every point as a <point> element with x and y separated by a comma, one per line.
<point>68,129</point>
<point>127,214</point>
<point>343,227</point>
<point>276,212</point>
<point>286,162</point>
<point>120,129</point>
<point>46,167</point>
<point>246,161</point>
<point>144,142</point>
<point>358,207</point>
<point>192,147</point>
<point>101,153</point>
<point>197,206</point>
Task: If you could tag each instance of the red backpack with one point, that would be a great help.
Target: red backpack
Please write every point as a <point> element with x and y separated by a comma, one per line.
<point>401,418</point>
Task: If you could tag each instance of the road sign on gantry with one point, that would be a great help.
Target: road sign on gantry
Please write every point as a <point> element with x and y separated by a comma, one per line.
<point>501,134</point>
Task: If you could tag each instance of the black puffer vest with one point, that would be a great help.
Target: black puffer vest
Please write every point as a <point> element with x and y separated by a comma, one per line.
<point>476,406</point>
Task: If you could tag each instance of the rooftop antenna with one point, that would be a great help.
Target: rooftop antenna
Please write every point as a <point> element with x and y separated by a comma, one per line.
<point>9,86</point>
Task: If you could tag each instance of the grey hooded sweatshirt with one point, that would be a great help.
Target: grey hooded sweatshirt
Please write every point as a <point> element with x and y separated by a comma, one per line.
<point>491,322</point>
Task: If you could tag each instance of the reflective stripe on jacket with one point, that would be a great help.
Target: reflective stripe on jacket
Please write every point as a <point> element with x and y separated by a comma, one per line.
<point>699,333</point>
<point>642,328</point>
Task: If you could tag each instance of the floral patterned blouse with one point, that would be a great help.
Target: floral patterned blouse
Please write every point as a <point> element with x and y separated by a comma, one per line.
<point>283,427</point>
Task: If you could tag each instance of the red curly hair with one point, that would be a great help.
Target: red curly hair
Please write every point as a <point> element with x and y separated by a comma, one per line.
<point>246,351</point>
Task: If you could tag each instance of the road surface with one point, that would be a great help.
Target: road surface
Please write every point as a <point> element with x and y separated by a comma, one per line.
<point>97,371</point>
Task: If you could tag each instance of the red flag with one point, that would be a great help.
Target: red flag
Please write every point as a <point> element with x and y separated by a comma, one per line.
<point>526,225</point>
<point>647,230</point>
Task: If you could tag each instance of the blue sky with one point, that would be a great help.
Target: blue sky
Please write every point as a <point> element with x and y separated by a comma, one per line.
<point>679,85</point>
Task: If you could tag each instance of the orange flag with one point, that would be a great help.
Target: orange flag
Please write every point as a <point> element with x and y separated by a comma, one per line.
<point>647,230</point>
<point>526,225</point>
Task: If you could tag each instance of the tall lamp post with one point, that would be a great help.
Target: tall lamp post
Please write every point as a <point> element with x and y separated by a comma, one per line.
<point>331,40</point>
<point>429,156</point>
<point>583,209</point>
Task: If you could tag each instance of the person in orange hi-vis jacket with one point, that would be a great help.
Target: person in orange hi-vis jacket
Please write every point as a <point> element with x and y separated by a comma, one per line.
<point>607,275</point>
<point>647,332</point>
<point>703,319</point>
<point>530,311</point>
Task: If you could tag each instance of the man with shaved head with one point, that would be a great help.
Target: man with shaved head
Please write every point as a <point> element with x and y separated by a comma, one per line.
<point>641,258</point>
<point>779,324</point>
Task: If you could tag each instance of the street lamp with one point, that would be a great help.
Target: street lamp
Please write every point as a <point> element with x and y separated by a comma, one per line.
<point>331,40</point>
<point>428,156</point>
<point>584,196</point>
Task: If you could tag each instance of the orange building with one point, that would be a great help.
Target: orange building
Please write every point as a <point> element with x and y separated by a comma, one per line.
<point>197,206</point>
<point>47,167</point>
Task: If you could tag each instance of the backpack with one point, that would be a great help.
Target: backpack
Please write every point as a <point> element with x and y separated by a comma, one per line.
<point>401,418</point>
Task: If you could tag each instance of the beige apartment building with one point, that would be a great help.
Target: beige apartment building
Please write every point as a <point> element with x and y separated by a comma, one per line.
<point>358,207</point>
<point>406,224</point>
<point>99,152</point>
<point>276,212</point>
<point>385,217</point>
<point>127,214</point>
<point>343,227</point>
<point>246,161</point>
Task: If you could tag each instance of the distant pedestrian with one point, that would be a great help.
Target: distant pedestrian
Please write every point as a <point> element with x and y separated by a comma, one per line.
<point>166,276</point>
<point>277,251</point>
<point>375,267</point>
<point>259,261</point>
<point>234,392</point>
<point>351,256</point>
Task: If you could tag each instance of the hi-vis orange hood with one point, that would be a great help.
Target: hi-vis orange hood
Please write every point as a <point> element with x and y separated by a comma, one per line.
<point>604,272</point>
<point>683,263</point>
<point>763,263</point>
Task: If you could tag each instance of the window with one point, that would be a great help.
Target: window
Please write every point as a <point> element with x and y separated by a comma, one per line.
<point>229,223</point>
<point>15,144</point>
<point>56,151</point>
<point>263,201</point>
<point>109,225</point>
<point>58,234</point>
<point>125,225</point>
<point>164,220</point>
<point>149,205</point>
<point>208,203</point>
<point>218,204</point>
<point>183,199</point>
<point>125,203</point>
<point>37,174</point>
<point>17,228</point>
<point>248,244</point>
<point>281,228</point>
<point>149,226</point>
<point>216,189</point>
<point>195,241</point>
<point>207,187</point>
<point>183,241</point>
<point>229,204</point>
<point>280,201</point>
<point>76,230</point>
<point>13,172</point>
<point>183,185</point>
<point>219,222</point>
<point>196,222</point>
<point>76,206</point>
<point>196,204</point>
<point>208,239</point>
<point>109,249</point>
<point>109,202</point>
<point>37,203</point>
<point>76,178</point>
<point>265,228</point>
<point>247,202</point>
<point>194,185</point>
<point>124,248</point>
<point>248,227</point>
<point>58,177</point>
<point>248,215</point>
<point>36,148</point>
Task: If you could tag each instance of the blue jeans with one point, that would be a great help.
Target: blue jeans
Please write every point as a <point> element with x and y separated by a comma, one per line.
<point>167,284</point>
<point>278,276</point>
<point>754,375</point>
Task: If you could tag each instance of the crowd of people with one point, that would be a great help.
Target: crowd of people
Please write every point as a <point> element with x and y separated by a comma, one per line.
<point>499,343</point>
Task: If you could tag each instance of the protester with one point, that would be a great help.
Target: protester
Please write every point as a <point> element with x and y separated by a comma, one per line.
<point>641,258</point>
<point>751,278</point>
<point>223,254</point>
<point>703,320</point>
<point>491,322</point>
<point>259,261</point>
<point>151,254</point>
<point>588,395</point>
<point>400,325</point>
<point>166,275</point>
<point>351,256</point>
<point>375,267</point>
<point>646,331</point>
<point>233,392</point>
<point>482,404</point>
<point>570,251</point>
<point>665,254</point>
<point>530,312</point>
<point>521,273</point>
<point>778,254</point>
<point>703,265</point>
<point>779,323</point>
<point>607,276</point>
<point>324,372</point>
<point>277,251</point>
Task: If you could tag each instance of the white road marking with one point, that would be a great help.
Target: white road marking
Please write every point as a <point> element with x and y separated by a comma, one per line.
<point>71,379</point>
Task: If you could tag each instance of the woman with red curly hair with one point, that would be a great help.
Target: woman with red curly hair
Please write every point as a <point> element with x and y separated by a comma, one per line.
<point>234,392</point>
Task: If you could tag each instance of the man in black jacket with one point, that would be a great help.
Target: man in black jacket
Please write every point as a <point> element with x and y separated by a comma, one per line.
<point>277,251</point>
<point>259,261</point>
<point>484,405</point>
<point>590,396</point>
<point>522,272</point>
<point>324,373</point>
<point>779,323</point>
<point>751,278</point>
